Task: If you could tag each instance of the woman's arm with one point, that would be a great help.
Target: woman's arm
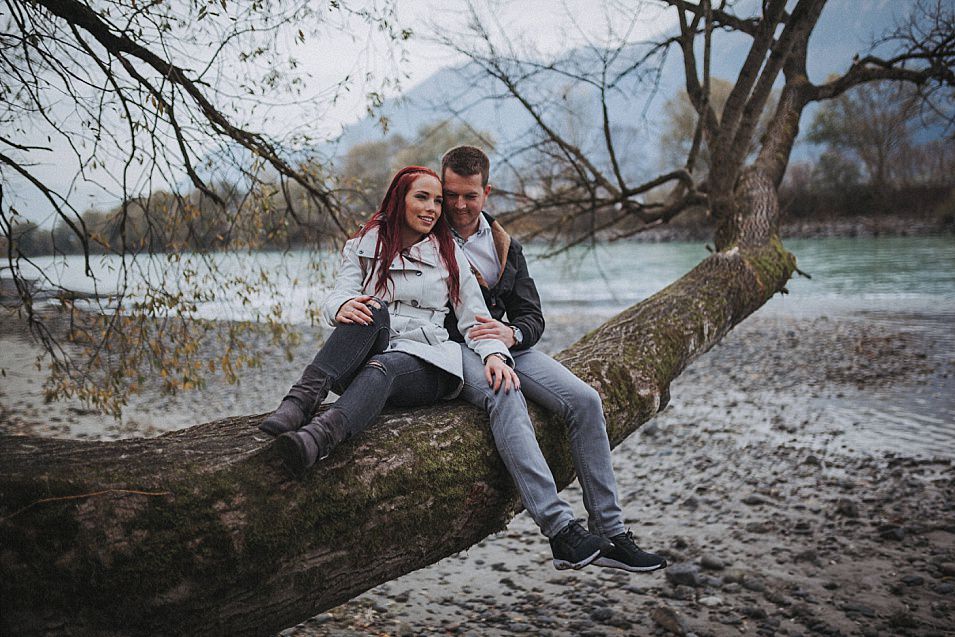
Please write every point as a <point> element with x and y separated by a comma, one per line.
<point>348,286</point>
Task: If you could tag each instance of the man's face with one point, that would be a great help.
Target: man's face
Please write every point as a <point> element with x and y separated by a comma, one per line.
<point>464,199</point>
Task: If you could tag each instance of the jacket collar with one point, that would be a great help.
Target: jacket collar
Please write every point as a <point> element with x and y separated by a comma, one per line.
<point>425,251</point>
<point>502,245</point>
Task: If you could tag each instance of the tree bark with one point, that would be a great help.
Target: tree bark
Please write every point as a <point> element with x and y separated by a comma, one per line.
<point>200,532</point>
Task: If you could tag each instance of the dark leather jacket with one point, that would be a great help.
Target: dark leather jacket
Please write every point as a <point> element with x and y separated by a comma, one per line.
<point>514,294</point>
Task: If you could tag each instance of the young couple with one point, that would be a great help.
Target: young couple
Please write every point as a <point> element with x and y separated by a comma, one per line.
<point>418,309</point>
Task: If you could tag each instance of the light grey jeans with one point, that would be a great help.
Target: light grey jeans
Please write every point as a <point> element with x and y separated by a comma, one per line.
<point>553,387</point>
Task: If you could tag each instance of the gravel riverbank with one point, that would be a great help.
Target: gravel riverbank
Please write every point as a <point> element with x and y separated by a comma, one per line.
<point>800,482</point>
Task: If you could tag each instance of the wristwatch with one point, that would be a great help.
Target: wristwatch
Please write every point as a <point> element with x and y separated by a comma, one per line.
<point>518,336</point>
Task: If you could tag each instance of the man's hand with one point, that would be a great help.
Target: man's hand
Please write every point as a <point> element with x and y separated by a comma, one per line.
<point>498,374</point>
<point>490,328</point>
<point>356,310</point>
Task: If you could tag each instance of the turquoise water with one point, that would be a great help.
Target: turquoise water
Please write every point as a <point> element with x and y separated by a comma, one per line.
<point>906,283</point>
<point>848,275</point>
<point>915,274</point>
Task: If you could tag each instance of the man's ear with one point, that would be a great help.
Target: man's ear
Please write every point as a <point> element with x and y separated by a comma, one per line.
<point>487,190</point>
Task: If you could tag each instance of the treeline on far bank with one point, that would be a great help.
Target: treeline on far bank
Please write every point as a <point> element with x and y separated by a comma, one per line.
<point>167,223</point>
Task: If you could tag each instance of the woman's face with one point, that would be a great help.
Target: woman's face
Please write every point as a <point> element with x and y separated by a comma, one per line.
<point>423,204</point>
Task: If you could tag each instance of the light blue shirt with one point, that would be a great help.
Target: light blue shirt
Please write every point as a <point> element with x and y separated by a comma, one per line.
<point>479,249</point>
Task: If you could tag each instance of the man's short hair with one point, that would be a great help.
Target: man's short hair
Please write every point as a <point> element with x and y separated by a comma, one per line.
<point>467,161</point>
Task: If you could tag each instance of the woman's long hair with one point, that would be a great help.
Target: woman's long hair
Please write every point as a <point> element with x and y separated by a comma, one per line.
<point>389,220</point>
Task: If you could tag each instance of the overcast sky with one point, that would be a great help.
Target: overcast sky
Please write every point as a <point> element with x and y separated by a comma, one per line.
<point>547,25</point>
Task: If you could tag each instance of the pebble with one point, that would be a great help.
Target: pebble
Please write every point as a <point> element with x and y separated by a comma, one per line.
<point>913,580</point>
<point>685,573</point>
<point>947,568</point>
<point>754,585</point>
<point>892,532</point>
<point>754,612</point>
<point>711,562</point>
<point>847,508</point>
<point>857,608</point>
<point>758,527</point>
<point>669,620</point>
<point>711,601</point>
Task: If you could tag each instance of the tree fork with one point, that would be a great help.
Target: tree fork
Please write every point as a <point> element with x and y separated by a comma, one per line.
<point>199,531</point>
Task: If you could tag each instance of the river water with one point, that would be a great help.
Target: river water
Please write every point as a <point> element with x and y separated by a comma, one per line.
<point>906,283</point>
<point>848,276</point>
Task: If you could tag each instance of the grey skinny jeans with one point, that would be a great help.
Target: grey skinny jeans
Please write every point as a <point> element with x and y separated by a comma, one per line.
<point>556,389</point>
<point>354,362</point>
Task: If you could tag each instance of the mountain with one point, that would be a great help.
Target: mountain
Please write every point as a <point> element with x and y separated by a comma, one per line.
<point>846,28</point>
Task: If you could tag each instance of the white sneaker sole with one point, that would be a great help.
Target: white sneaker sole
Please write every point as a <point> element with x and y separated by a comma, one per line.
<point>563,565</point>
<point>611,563</point>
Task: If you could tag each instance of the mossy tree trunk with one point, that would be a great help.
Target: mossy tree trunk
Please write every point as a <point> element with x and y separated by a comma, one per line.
<point>200,532</point>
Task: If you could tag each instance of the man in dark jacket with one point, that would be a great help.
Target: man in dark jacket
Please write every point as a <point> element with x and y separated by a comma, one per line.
<point>509,291</point>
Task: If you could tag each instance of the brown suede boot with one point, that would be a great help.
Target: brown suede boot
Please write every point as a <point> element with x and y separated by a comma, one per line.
<point>301,449</point>
<point>288,417</point>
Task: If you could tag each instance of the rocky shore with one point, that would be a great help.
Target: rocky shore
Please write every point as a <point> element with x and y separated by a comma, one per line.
<point>800,483</point>
<point>777,517</point>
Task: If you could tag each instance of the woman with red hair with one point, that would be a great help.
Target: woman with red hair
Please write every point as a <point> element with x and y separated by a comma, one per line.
<point>397,278</point>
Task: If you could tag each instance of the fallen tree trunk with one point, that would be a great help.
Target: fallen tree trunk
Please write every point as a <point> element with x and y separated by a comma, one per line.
<point>200,532</point>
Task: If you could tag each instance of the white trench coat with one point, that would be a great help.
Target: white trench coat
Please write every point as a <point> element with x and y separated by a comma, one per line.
<point>417,301</point>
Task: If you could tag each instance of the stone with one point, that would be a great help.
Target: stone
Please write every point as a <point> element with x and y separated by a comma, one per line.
<point>323,618</point>
<point>758,527</point>
<point>711,562</point>
<point>684,573</point>
<point>913,580</point>
<point>947,568</point>
<point>847,507</point>
<point>754,499</point>
<point>754,612</point>
<point>669,620</point>
<point>856,608</point>
<point>892,532</point>
<point>754,585</point>
<point>711,601</point>
<point>734,576</point>
<point>601,614</point>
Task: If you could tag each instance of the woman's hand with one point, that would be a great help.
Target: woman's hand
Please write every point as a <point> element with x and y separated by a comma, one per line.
<point>498,373</point>
<point>490,328</point>
<point>357,311</point>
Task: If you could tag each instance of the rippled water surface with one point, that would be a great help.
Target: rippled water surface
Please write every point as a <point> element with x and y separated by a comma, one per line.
<point>905,283</point>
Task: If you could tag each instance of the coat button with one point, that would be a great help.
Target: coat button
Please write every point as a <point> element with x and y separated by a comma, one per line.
<point>418,273</point>
<point>414,303</point>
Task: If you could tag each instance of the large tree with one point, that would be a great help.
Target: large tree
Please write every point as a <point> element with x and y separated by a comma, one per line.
<point>197,531</point>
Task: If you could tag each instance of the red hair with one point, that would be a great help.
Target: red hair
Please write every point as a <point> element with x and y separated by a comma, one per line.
<point>389,220</point>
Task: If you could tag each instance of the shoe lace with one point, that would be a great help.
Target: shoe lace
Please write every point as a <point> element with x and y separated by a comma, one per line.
<point>626,538</point>
<point>574,533</point>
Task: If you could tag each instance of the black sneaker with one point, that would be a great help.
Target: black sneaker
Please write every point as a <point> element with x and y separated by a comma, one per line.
<point>626,555</point>
<point>574,547</point>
